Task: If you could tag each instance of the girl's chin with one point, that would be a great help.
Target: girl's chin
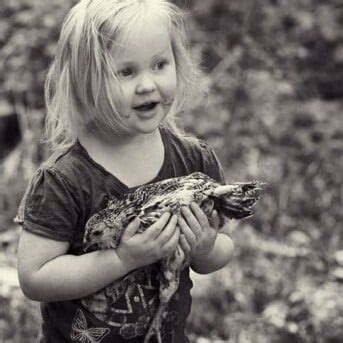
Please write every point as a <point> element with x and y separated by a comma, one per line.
<point>147,119</point>
<point>145,129</point>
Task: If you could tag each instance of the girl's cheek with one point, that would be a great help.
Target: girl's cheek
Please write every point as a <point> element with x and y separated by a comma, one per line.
<point>128,90</point>
<point>170,86</point>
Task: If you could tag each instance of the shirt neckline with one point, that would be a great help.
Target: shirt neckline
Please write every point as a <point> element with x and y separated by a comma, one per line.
<point>122,186</point>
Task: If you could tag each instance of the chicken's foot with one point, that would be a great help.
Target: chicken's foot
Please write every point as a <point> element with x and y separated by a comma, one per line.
<point>155,326</point>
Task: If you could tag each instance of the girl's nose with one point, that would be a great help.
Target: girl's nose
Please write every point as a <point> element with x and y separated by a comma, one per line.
<point>145,84</point>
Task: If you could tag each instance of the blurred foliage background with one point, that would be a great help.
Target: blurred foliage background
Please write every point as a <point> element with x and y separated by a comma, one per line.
<point>274,114</point>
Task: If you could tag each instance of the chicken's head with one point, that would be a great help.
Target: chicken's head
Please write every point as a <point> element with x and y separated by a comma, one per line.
<point>102,231</point>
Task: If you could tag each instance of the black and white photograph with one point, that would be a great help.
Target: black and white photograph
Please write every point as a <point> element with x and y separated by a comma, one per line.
<point>171,171</point>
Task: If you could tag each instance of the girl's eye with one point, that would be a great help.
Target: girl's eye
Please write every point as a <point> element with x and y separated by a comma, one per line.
<point>125,72</point>
<point>160,65</point>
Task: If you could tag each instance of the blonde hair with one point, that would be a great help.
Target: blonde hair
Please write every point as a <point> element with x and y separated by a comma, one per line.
<point>82,87</point>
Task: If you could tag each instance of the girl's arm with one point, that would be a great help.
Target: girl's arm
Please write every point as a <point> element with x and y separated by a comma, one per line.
<point>218,258</point>
<point>200,239</point>
<point>47,273</point>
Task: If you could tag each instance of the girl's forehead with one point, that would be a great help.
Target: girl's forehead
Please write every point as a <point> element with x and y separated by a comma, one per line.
<point>152,38</point>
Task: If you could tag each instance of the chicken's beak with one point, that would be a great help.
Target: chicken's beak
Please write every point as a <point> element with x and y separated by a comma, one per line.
<point>86,246</point>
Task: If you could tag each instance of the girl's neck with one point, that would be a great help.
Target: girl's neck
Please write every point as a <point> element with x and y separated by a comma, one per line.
<point>134,161</point>
<point>119,144</point>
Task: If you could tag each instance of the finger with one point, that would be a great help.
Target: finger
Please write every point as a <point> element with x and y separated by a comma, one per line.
<point>191,220</point>
<point>187,232</point>
<point>180,253</point>
<point>155,229</point>
<point>168,231</point>
<point>199,214</point>
<point>132,228</point>
<point>184,245</point>
<point>214,219</point>
<point>172,244</point>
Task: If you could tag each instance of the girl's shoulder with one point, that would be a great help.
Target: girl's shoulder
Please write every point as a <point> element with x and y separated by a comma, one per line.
<point>62,172</point>
<point>48,206</point>
<point>61,192</point>
<point>72,164</point>
<point>187,141</point>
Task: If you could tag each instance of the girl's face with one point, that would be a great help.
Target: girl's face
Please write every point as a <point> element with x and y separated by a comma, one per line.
<point>147,75</point>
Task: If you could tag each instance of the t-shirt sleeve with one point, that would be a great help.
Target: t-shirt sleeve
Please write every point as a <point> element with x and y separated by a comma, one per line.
<point>49,206</point>
<point>210,163</point>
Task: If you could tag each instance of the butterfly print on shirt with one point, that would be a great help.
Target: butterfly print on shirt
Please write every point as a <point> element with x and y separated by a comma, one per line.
<point>81,333</point>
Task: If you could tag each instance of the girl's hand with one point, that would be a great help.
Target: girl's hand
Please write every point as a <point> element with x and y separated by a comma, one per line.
<point>198,235</point>
<point>155,243</point>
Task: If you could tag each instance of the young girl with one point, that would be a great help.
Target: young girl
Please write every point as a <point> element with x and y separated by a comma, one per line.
<point>121,73</point>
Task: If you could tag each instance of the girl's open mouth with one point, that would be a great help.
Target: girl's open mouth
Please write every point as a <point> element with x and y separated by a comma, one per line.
<point>148,106</point>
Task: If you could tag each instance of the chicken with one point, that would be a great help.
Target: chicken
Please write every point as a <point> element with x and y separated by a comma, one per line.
<point>149,202</point>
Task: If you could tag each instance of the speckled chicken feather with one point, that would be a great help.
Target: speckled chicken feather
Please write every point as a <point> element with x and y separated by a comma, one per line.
<point>149,202</point>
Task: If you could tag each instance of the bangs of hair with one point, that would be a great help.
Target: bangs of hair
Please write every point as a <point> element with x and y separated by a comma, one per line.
<point>82,88</point>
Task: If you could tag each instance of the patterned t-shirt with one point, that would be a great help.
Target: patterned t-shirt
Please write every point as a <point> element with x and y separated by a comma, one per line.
<point>63,194</point>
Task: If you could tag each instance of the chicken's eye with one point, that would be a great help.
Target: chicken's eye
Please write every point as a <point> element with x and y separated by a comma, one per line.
<point>96,233</point>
